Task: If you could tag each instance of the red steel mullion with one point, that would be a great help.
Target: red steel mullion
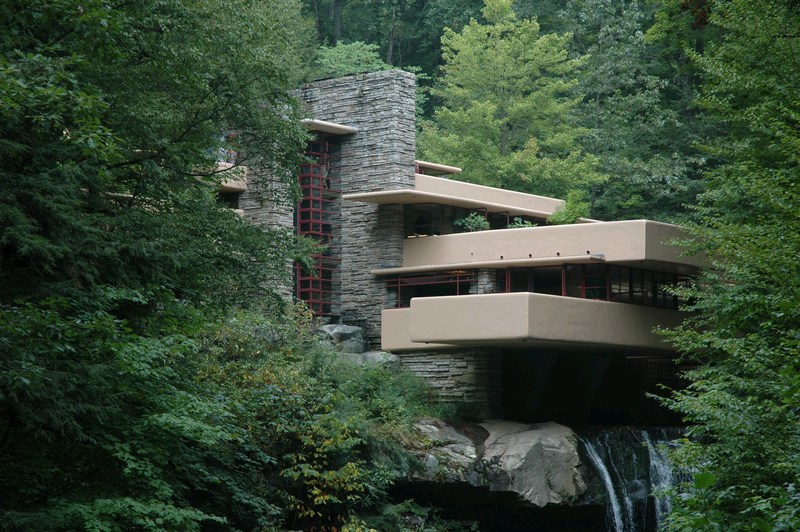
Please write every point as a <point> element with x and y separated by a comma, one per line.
<point>437,281</point>
<point>583,281</point>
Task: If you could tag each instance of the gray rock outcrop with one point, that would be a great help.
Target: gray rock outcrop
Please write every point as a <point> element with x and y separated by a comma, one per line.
<point>540,462</point>
<point>372,357</point>
<point>343,338</point>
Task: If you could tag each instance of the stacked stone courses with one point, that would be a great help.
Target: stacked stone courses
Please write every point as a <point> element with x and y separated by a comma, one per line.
<point>266,202</point>
<point>469,377</point>
<point>379,156</point>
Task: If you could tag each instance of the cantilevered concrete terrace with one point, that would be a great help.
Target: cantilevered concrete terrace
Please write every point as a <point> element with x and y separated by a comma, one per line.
<point>635,243</point>
<point>235,177</point>
<point>535,319</point>
<point>525,320</point>
<point>436,190</point>
<point>599,283</point>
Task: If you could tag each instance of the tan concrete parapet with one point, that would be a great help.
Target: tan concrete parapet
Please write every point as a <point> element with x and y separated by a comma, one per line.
<point>525,319</point>
<point>635,243</point>
<point>396,332</point>
<point>468,191</point>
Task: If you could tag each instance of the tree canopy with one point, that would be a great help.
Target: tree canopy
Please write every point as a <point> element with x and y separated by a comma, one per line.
<point>743,399</point>
<point>137,391</point>
<point>507,95</point>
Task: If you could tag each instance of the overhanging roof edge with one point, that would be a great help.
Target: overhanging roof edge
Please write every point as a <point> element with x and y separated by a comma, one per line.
<point>415,197</point>
<point>539,261</point>
<point>328,127</point>
<point>445,168</point>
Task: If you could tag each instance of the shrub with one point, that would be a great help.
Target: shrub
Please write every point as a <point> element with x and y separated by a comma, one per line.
<point>471,223</point>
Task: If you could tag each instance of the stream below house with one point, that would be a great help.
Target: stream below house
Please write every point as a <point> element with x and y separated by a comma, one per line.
<point>634,469</point>
<point>626,471</point>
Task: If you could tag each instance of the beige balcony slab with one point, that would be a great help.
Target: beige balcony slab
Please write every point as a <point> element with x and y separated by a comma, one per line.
<point>328,127</point>
<point>635,243</point>
<point>439,191</point>
<point>527,320</point>
<point>234,178</point>
<point>396,334</point>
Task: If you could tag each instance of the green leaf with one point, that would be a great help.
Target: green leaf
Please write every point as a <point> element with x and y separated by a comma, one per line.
<point>704,480</point>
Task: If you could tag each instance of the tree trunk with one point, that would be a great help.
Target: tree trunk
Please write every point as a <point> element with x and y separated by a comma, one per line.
<point>317,20</point>
<point>337,20</point>
<point>390,50</point>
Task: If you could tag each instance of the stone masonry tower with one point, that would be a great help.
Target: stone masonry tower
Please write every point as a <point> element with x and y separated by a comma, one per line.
<point>378,156</point>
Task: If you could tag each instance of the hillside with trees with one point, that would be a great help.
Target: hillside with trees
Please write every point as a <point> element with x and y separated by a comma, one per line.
<point>151,376</point>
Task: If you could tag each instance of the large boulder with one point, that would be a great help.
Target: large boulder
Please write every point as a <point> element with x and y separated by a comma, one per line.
<point>343,338</point>
<point>372,357</point>
<point>447,454</point>
<point>540,462</point>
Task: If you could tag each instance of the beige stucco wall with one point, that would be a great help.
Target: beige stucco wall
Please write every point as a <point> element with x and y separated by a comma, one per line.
<point>629,242</point>
<point>447,187</point>
<point>519,319</point>
<point>396,332</point>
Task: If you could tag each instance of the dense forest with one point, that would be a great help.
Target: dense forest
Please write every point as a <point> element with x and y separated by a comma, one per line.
<point>151,376</point>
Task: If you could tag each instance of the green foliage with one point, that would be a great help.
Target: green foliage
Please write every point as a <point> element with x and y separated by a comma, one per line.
<point>637,111</point>
<point>345,59</point>
<point>575,208</point>
<point>249,424</point>
<point>743,399</point>
<point>405,32</point>
<point>408,515</point>
<point>116,264</point>
<point>332,426</point>
<point>108,115</point>
<point>101,426</point>
<point>520,223</point>
<point>472,222</point>
<point>507,94</point>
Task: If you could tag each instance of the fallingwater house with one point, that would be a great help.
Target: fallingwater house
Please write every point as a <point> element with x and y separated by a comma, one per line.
<point>530,323</point>
<point>523,321</point>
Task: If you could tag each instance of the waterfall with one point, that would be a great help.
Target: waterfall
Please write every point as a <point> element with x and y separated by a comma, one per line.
<point>633,468</point>
<point>661,474</point>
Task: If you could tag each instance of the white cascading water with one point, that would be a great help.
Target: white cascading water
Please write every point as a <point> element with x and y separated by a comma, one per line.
<point>661,474</point>
<point>614,507</point>
<point>632,467</point>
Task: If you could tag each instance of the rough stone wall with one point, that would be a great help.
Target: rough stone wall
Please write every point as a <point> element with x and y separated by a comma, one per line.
<point>472,378</point>
<point>485,282</point>
<point>380,156</point>
<point>266,202</point>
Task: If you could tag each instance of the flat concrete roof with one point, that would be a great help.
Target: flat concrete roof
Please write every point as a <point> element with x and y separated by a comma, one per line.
<point>441,191</point>
<point>440,168</point>
<point>512,263</point>
<point>416,197</point>
<point>328,127</point>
